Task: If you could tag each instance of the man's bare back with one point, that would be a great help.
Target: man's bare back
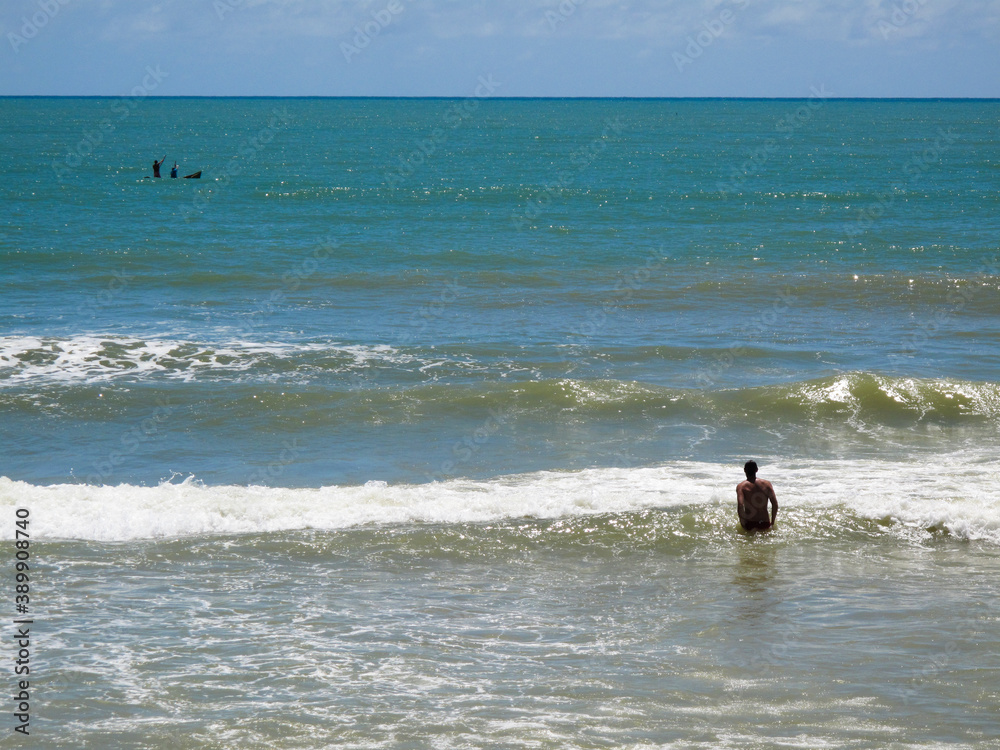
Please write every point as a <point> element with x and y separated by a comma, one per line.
<point>752,497</point>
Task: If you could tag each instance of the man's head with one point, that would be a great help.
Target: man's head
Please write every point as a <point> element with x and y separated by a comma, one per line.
<point>750,469</point>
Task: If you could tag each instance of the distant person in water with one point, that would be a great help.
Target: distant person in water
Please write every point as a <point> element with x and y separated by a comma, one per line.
<point>752,496</point>
<point>173,172</point>
<point>156,166</point>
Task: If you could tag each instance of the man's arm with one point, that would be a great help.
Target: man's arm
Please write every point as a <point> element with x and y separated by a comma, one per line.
<point>774,502</point>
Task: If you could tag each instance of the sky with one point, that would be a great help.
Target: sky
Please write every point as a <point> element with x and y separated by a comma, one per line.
<point>643,48</point>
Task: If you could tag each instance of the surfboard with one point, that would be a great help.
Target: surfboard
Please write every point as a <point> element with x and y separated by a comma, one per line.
<point>194,176</point>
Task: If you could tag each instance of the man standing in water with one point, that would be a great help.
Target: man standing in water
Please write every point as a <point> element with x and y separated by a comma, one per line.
<point>156,166</point>
<point>752,497</point>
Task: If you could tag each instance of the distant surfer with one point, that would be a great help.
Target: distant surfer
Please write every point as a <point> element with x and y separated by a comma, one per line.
<point>173,172</point>
<point>752,496</point>
<point>156,166</point>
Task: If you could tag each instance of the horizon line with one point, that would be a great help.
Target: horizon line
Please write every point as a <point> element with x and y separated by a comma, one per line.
<point>509,98</point>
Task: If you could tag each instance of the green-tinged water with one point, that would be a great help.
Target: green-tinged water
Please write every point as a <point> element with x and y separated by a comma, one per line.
<point>417,423</point>
<point>647,629</point>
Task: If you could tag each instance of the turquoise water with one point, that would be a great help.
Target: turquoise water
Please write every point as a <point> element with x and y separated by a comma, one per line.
<point>415,423</point>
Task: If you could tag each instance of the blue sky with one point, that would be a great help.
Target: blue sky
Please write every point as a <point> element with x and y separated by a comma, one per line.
<point>904,48</point>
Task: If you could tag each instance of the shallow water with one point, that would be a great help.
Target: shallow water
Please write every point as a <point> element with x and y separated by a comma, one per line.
<point>416,423</point>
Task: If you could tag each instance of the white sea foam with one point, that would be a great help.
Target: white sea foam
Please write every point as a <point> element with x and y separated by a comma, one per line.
<point>94,358</point>
<point>956,496</point>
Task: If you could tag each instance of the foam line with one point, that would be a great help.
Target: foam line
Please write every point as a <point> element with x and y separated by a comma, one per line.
<point>955,495</point>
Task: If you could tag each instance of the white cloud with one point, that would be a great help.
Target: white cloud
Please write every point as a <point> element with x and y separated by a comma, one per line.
<point>941,21</point>
<point>610,45</point>
<point>656,22</point>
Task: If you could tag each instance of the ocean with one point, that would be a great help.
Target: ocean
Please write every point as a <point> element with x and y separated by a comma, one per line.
<point>416,423</point>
